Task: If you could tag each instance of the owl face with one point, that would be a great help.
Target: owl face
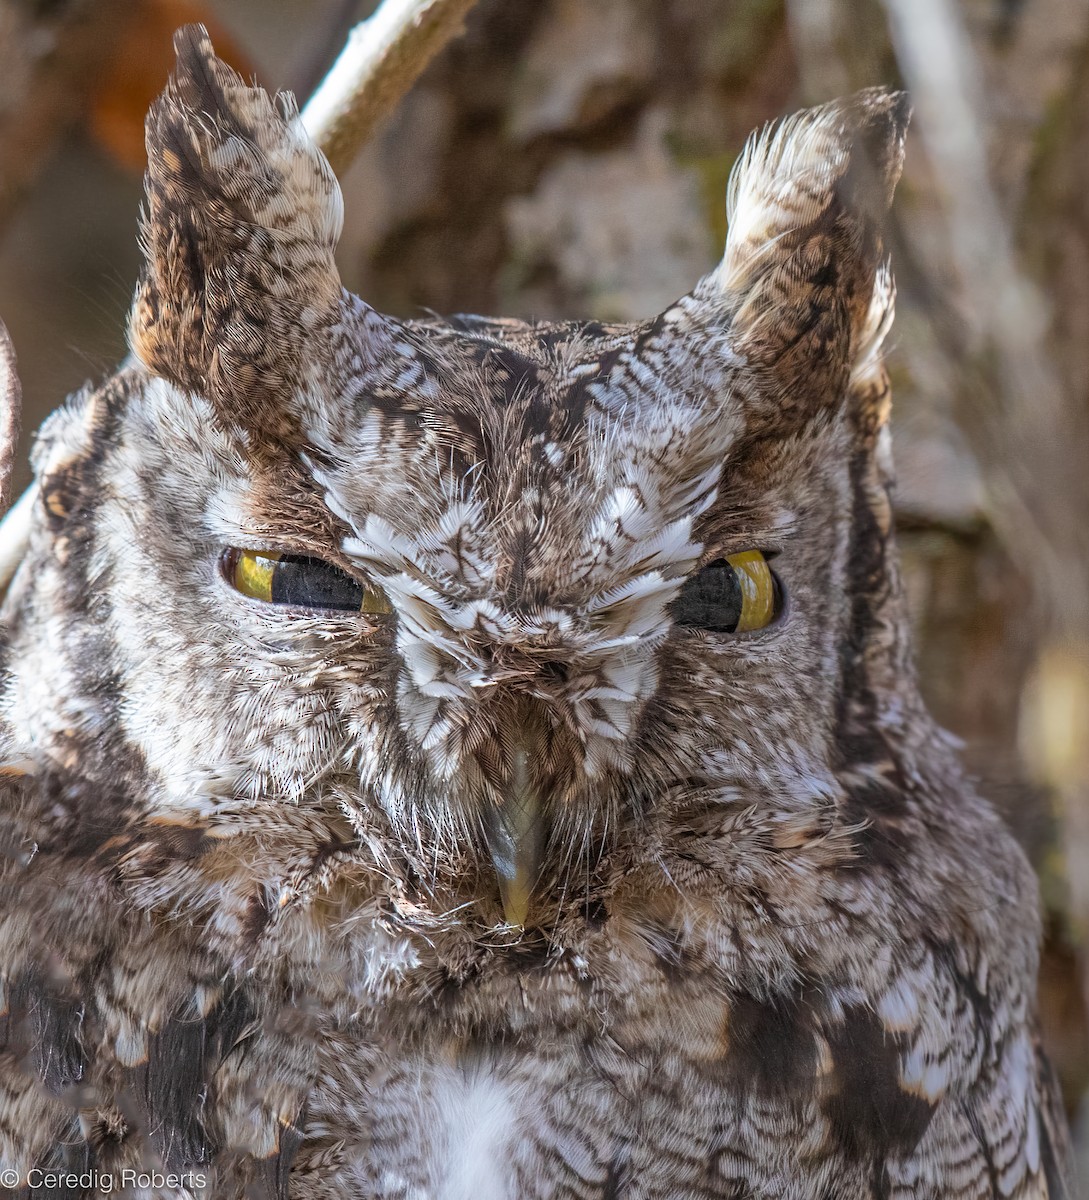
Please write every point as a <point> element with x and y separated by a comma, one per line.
<point>511,594</point>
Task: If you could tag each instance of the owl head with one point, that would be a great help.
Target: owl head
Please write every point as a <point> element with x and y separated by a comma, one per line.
<point>496,602</point>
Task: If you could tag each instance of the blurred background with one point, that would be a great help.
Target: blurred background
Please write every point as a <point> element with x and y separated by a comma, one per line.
<point>569,158</point>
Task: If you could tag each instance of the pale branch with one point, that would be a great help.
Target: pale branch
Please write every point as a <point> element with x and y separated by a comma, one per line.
<point>15,528</point>
<point>383,57</point>
<point>11,402</point>
<point>1020,434</point>
<point>15,535</point>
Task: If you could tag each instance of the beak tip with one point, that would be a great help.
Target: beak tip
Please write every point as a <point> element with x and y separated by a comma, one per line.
<point>515,906</point>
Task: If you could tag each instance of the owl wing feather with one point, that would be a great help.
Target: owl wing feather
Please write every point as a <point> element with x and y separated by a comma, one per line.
<point>125,1045</point>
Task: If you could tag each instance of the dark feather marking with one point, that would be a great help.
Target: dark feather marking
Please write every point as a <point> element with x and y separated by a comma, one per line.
<point>43,1023</point>
<point>515,375</point>
<point>771,1044</point>
<point>667,947</point>
<point>151,849</point>
<point>649,336</point>
<point>259,909</point>
<point>880,839</point>
<point>91,812</point>
<point>171,1090</point>
<point>60,1059</point>
<point>867,577</point>
<point>272,1175</point>
<point>718,1184</point>
<point>519,551</point>
<point>594,911</point>
<point>945,956</point>
<point>69,1158</point>
<point>409,413</point>
<point>1055,1151</point>
<point>569,417</point>
<point>448,985</point>
<point>617,1178</point>
<point>1056,1185</point>
<point>870,1113</point>
<point>531,953</point>
<point>983,1142</point>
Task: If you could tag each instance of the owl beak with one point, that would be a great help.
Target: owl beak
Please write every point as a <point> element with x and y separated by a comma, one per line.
<point>515,836</point>
<point>515,825</point>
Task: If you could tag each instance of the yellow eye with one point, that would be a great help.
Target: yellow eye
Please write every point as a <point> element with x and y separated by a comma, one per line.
<point>251,573</point>
<point>735,594</point>
<point>300,580</point>
<point>758,590</point>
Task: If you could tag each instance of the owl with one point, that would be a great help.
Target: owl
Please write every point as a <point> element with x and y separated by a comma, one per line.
<point>481,760</point>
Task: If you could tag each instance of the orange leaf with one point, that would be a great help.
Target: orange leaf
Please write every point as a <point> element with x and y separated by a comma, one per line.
<point>140,67</point>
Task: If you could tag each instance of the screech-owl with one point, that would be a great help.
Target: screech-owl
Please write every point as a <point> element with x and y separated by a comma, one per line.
<point>471,759</point>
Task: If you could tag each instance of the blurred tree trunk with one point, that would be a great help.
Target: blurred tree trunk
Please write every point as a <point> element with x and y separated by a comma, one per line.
<point>1054,230</point>
<point>568,159</point>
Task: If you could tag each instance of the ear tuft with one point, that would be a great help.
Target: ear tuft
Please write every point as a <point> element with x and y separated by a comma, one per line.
<point>845,155</point>
<point>806,202</point>
<point>869,393</point>
<point>237,143</point>
<point>243,216</point>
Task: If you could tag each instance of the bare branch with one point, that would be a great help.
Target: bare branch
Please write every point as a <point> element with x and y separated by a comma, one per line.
<point>15,534</point>
<point>11,402</point>
<point>383,57</point>
<point>1017,426</point>
<point>16,525</point>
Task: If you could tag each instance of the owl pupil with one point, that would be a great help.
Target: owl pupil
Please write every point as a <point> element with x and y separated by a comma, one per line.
<point>711,599</point>
<point>314,583</point>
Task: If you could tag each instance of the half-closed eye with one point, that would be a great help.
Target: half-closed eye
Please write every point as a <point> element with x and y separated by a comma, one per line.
<point>301,581</point>
<point>735,594</point>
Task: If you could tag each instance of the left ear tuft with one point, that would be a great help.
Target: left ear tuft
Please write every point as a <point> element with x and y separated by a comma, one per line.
<point>806,203</point>
<point>243,216</point>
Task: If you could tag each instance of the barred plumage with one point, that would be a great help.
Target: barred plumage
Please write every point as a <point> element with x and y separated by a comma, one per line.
<point>522,883</point>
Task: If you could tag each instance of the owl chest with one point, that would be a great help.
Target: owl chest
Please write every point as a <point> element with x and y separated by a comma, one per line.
<point>575,1107</point>
<point>439,1128</point>
<point>579,1074</point>
<point>573,1119</point>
